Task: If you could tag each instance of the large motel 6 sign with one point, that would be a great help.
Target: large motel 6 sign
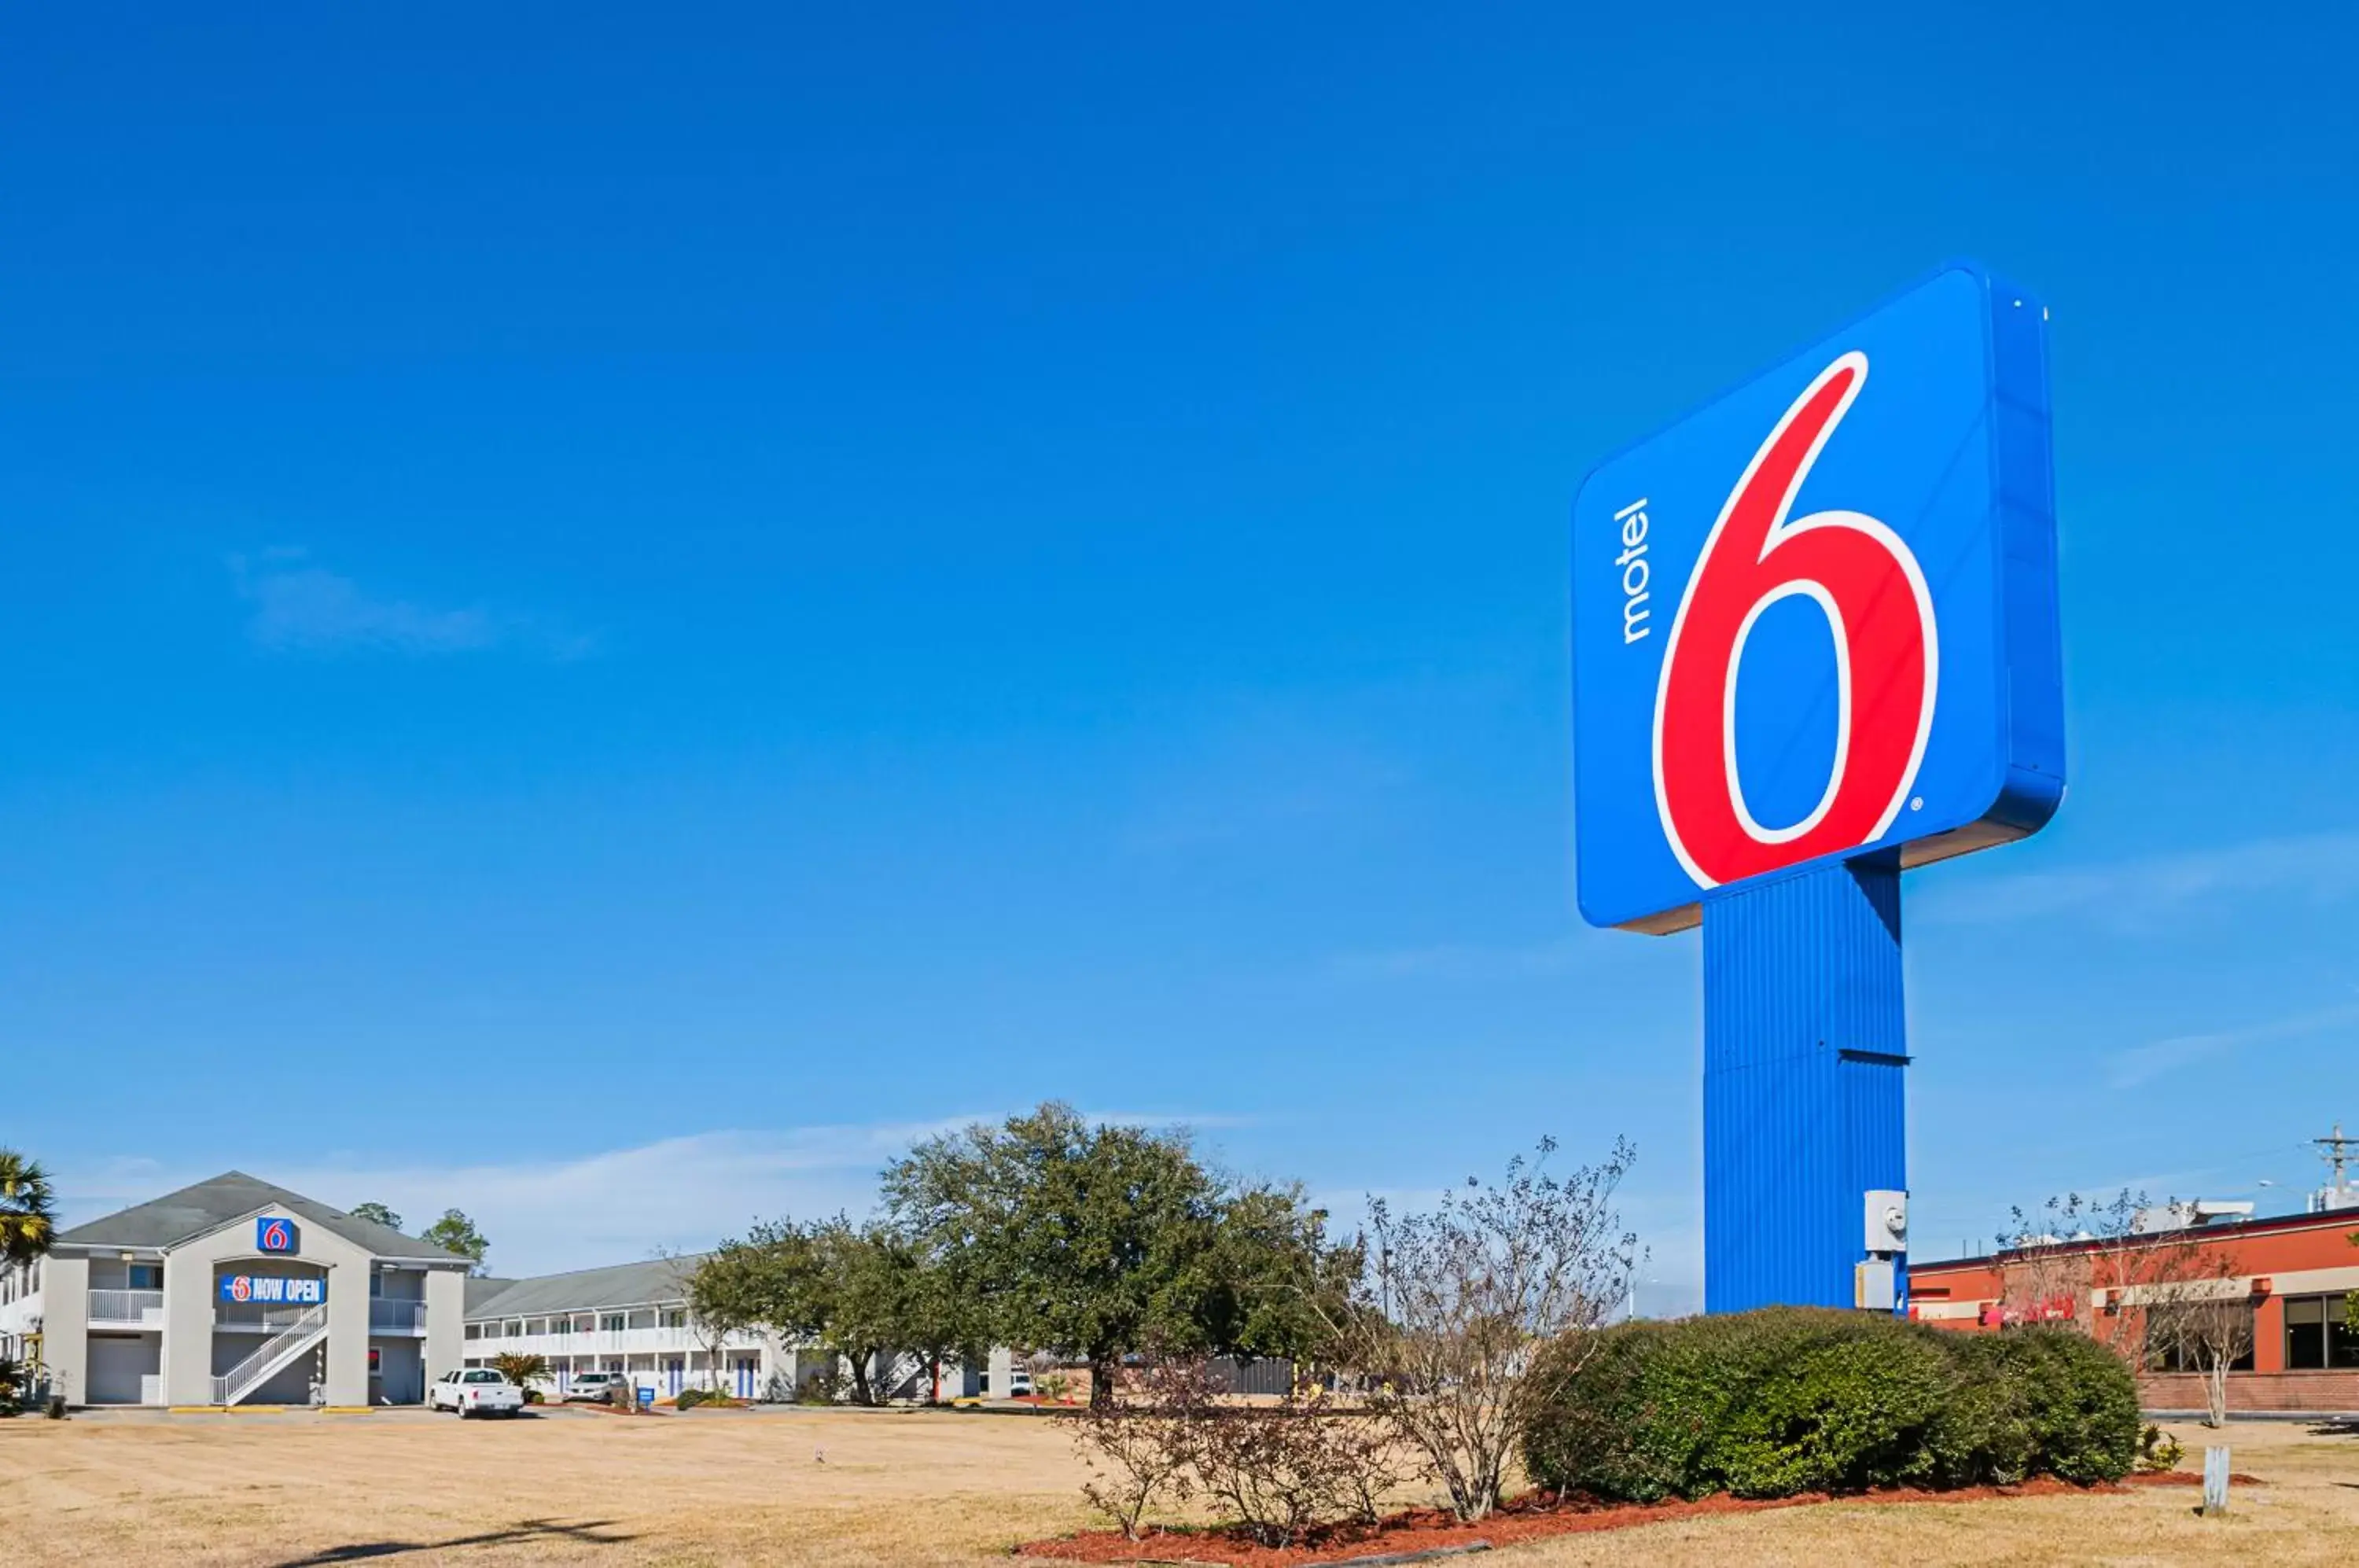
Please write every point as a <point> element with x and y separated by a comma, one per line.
<point>1815,642</point>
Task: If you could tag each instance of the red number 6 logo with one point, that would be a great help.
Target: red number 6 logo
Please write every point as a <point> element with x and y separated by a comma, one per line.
<point>1869,587</point>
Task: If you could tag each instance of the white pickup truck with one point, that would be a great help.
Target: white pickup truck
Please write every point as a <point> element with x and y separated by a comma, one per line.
<point>475,1391</point>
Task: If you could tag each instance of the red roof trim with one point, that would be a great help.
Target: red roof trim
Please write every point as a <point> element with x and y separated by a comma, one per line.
<point>2339,1219</point>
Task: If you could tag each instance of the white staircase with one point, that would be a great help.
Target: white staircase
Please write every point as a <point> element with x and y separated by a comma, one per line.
<point>272,1354</point>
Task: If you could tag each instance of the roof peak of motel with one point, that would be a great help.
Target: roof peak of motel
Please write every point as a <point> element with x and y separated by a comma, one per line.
<point>204,1206</point>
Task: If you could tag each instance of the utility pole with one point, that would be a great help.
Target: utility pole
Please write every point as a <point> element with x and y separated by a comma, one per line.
<point>2335,1149</point>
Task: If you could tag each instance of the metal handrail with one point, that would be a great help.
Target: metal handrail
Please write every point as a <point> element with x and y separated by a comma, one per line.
<point>110,1306</point>
<point>395,1314</point>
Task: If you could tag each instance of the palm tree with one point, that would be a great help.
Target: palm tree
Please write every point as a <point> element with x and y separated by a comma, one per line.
<point>27,1220</point>
<point>521,1367</point>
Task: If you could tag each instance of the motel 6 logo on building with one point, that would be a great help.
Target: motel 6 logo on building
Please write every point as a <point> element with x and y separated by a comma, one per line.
<point>274,1233</point>
<point>1817,618</point>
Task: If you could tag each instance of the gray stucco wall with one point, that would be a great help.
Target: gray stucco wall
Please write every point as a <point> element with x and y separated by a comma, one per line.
<point>65,1324</point>
<point>446,1311</point>
<point>189,1296</point>
<point>401,1365</point>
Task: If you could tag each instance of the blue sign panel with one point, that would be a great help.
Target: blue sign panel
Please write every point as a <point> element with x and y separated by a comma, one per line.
<point>1816,619</point>
<point>272,1233</point>
<point>273,1289</point>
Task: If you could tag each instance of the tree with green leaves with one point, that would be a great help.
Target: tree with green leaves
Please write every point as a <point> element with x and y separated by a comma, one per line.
<point>454,1232</point>
<point>379,1212</point>
<point>28,1209</point>
<point>937,1317</point>
<point>864,1292</point>
<point>866,1275</point>
<point>719,1290</point>
<point>1099,1241</point>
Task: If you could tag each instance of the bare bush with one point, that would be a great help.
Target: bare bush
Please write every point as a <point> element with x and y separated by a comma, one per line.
<point>1142,1446</point>
<point>1280,1471</point>
<point>1457,1304</point>
<point>1283,1470</point>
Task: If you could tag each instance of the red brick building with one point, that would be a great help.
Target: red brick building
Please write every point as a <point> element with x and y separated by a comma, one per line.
<point>2292,1273</point>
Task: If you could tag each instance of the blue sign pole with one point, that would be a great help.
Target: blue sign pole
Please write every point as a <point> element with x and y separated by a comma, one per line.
<point>1804,1111</point>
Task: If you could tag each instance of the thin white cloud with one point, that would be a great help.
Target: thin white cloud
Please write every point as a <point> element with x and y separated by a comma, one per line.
<point>2310,869</point>
<point>611,1206</point>
<point>297,607</point>
<point>2142,1063</point>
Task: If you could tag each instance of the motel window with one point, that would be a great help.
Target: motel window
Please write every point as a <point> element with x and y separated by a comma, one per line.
<point>586,1324</point>
<point>146,1276</point>
<point>515,1328</point>
<point>611,1323</point>
<point>475,1331</point>
<point>2318,1336</point>
<point>643,1318</point>
<point>675,1318</point>
<point>538,1325</point>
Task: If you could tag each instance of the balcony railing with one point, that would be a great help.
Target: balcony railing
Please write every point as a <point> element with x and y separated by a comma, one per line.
<point>607,1341</point>
<point>139,1308</point>
<point>256,1315</point>
<point>396,1316</point>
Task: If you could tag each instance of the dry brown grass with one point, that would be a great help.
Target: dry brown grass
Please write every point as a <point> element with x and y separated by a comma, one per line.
<point>719,1488</point>
<point>918,1488</point>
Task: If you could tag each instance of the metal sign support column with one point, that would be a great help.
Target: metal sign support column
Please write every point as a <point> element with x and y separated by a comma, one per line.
<point>1804,1109</point>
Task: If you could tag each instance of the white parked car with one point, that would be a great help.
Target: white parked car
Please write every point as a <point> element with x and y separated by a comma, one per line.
<point>600,1388</point>
<point>475,1391</point>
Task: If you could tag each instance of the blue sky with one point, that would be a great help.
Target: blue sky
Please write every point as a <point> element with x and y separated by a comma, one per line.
<point>852,570</point>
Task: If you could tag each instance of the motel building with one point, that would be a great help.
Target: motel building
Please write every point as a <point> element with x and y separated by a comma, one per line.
<point>2289,1273</point>
<point>630,1318</point>
<point>235,1292</point>
<point>633,1319</point>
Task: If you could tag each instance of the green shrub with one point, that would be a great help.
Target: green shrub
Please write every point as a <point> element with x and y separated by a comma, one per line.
<point>1784,1400</point>
<point>2083,1405</point>
<point>2159,1452</point>
<point>1984,1433</point>
<point>687,1399</point>
<point>1831,1402</point>
<point>1632,1420</point>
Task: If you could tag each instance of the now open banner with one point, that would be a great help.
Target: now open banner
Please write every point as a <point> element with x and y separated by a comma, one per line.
<point>274,1289</point>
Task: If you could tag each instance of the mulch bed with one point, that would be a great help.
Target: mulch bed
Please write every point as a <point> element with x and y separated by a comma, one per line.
<point>1530,1518</point>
